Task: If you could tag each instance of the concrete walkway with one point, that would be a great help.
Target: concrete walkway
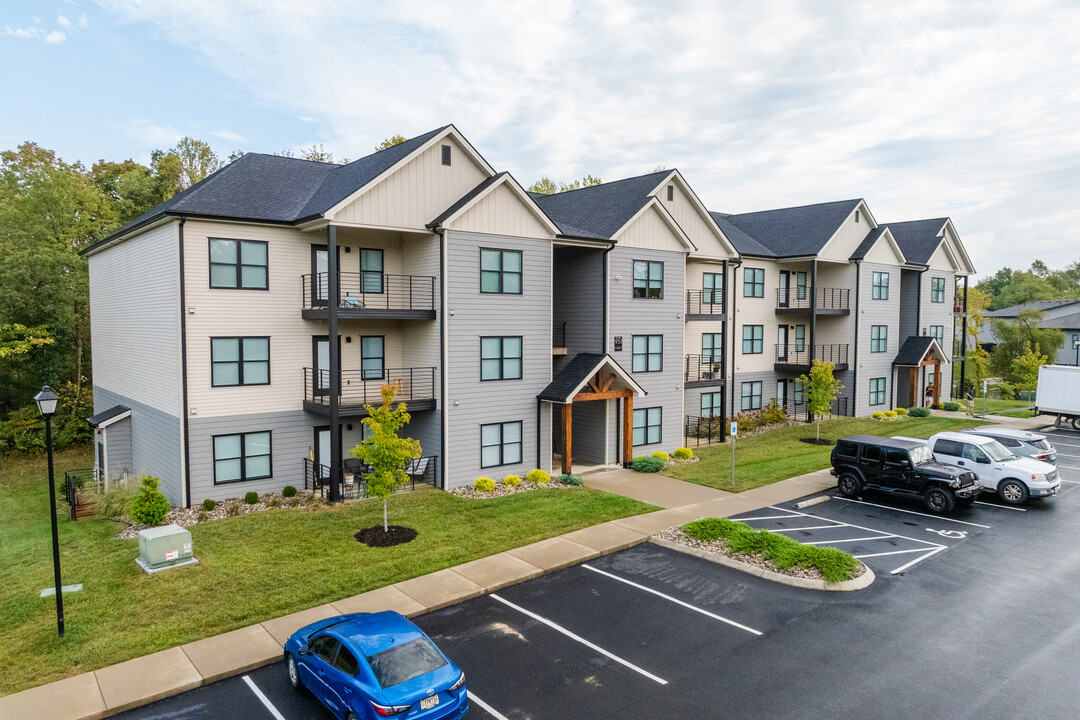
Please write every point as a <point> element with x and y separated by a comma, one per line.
<point>143,680</point>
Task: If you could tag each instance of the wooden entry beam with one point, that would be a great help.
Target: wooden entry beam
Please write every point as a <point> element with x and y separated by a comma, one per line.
<point>611,394</point>
<point>628,429</point>
<point>567,417</point>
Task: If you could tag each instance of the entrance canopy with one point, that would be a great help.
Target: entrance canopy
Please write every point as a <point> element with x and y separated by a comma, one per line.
<point>108,417</point>
<point>920,350</point>
<point>591,376</point>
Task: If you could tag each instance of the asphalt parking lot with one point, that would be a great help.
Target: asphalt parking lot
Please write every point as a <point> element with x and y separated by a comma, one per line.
<point>970,616</point>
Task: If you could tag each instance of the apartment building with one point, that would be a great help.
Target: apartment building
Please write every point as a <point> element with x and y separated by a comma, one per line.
<point>1061,314</point>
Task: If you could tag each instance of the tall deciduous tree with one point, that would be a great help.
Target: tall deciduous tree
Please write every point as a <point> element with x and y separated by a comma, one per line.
<point>822,389</point>
<point>1014,336</point>
<point>547,186</point>
<point>387,454</point>
<point>390,142</point>
<point>1025,368</point>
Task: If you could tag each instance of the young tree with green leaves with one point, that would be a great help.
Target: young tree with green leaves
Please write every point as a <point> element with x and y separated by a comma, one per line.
<point>387,454</point>
<point>390,142</point>
<point>1014,336</point>
<point>1025,368</point>
<point>821,389</point>
<point>547,186</point>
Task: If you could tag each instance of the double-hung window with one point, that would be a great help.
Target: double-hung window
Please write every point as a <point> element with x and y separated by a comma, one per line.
<point>752,338</point>
<point>800,338</point>
<point>877,391</point>
<point>239,361</point>
<point>647,425</point>
<point>753,285</point>
<point>938,333</point>
<point>648,279</point>
<point>937,290</point>
<point>500,358</point>
<point>712,404</point>
<point>751,395</point>
<point>800,393</point>
<point>800,286</point>
<point>500,271</point>
<point>373,357</point>
<point>879,338</point>
<point>500,444</point>
<point>881,286</point>
<point>648,353</point>
<point>239,264</point>
<point>712,347</point>
<point>371,271</point>
<point>244,456</point>
<point>712,288</point>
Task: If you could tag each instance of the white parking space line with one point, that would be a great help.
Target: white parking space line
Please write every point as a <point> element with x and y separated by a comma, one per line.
<point>767,517</point>
<point>860,527</point>
<point>916,561</point>
<point>892,552</point>
<point>487,708</point>
<point>583,641</point>
<point>1002,507</point>
<point>263,699</point>
<point>847,540</point>
<point>1071,482</point>
<point>812,527</point>
<point>1061,454</point>
<point>671,599</point>
<point>912,512</point>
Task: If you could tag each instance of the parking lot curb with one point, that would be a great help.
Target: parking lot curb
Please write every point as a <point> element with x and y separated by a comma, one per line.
<point>858,583</point>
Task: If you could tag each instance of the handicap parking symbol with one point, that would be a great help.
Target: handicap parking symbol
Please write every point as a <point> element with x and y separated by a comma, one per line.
<point>951,534</point>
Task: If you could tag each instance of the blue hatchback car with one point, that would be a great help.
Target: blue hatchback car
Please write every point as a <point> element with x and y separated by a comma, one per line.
<point>375,665</point>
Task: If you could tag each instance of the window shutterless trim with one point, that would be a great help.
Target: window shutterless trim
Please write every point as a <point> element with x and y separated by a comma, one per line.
<point>363,370</point>
<point>937,289</point>
<point>649,279</point>
<point>756,339</point>
<point>238,264</point>
<point>879,338</point>
<point>648,414</point>
<point>502,273</point>
<point>712,295</point>
<point>879,286</point>
<point>647,354</point>
<point>502,443</point>
<point>757,287</point>
<point>239,361</point>
<point>242,457</point>
<point>877,392</point>
<point>503,357</point>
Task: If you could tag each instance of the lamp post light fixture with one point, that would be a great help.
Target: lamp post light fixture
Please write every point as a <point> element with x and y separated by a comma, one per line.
<point>46,401</point>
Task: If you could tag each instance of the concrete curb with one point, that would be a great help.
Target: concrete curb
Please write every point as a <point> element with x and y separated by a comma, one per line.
<point>858,583</point>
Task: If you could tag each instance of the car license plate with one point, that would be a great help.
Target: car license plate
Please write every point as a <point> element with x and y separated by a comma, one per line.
<point>428,703</point>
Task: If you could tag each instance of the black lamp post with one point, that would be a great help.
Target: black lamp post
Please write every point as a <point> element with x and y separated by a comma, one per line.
<point>1076,343</point>
<point>46,401</point>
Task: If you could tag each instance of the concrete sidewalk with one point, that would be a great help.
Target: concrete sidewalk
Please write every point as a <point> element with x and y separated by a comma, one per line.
<point>143,680</point>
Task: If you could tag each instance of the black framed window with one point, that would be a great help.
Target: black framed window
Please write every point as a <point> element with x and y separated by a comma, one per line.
<point>752,339</point>
<point>371,271</point>
<point>648,426</point>
<point>937,290</point>
<point>500,271</point>
<point>648,279</point>
<point>879,338</point>
<point>239,361</point>
<point>880,289</point>
<point>938,333</point>
<point>243,456</point>
<point>712,347</point>
<point>373,357</point>
<point>800,285</point>
<point>712,404</point>
<point>500,444</point>
<point>751,395</point>
<point>800,338</point>
<point>648,353</point>
<point>800,393</point>
<point>239,264</point>
<point>500,358</point>
<point>712,285</point>
<point>753,283</point>
<point>877,391</point>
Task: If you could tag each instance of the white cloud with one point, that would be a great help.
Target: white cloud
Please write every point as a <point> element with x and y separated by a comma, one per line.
<point>55,37</point>
<point>926,109</point>
<point>150,135</point>
<point>230,136</point>
<point>24,33</point>
<point>63,22</point>
<point>83,22</point>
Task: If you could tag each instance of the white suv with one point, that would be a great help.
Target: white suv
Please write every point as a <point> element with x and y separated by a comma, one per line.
<point>1013,478</point>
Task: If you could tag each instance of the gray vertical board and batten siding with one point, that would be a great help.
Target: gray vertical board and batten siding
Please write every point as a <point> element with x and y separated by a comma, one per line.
<point>631,316</point>
<point>877,312</point>
<point>155,441</point>
<point>578,298</point>
<point>471,314</point>
<point>908,287</point>
<point>118,448</point>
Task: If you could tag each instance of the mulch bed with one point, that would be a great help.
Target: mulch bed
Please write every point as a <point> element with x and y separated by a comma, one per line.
<point>815,441</point>
<point>395,535</point>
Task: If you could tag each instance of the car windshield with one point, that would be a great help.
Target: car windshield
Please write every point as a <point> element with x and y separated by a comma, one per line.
<point>921,455</point>
<point>997,451</point>
<point>405,662</point>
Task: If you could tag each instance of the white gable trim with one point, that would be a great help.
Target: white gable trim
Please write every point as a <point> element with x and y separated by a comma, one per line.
<point>449,131</point>
<point>665,216</point>
<point>526,200</point>
<point>866,213</point>
<point>623,375</point>
<point>887,235</point>
<point>710,222</point>
<point>964,266</point>
<point>106,423</point>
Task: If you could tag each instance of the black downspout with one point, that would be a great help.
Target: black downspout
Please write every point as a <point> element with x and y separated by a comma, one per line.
<point>734,327</point>
<point>183,369</point>
<point>442,358</point>
<point>723,299</point>
<point>858,354</point>
<point>813,324</point>
<point>538,435</point>
<point>963,343</point>
<point>607,288</point>
<point>335,363</point>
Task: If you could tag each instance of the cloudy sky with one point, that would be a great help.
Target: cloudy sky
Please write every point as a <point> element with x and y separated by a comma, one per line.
<point>924,108</point>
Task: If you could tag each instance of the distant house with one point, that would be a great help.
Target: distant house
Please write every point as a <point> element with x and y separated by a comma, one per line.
<point>1061,314</point>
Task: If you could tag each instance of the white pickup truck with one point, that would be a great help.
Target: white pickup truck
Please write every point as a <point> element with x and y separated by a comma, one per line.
<point>1013,478</point>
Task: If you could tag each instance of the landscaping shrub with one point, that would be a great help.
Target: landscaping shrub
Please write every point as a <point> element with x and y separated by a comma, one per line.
<point>251,497</point>
<point>661,455</point>
<point>784,552</point>
<point>483,484</point>
<point>275,502</point>
<point>890,414</point>
<point>748,421</point>
<point>288,491</point>
<point>878,415</point>
<point>647,464</point>
<point>512,480</point>
<point>150,506</point>
<point>683,453</point>
<point>116,501</point>
<point>538,476</point>
<point>951,406</point>
<point>203,516</point>
<point>773,414</point>
<point>568,479</point>
<point>918,412</point>
<point>901,411</point>
<point>232,509</point>
<point>208,505</point>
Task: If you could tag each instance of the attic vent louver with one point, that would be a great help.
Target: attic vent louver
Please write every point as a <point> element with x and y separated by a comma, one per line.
<point>856,216</point>
<point>445,154</point>
<point>670,192</point>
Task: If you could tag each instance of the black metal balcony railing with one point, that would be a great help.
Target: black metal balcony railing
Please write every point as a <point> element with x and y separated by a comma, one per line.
<point>698,431</point>
<point>958,305</point>
<point>370,291</point>
<point>704,302</point>
<point>704,368</point>
<point>364,387</point>
<point>828,299</point>
<point>354,487</point>
<point>793,354</point>
<point>841,407</point>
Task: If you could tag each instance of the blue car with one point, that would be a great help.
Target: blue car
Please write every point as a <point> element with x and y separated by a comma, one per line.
<point>375,665</point>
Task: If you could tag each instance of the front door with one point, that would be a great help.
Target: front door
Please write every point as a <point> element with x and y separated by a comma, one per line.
<point>782,343</point>
<point>781,393</point>
<point>320,274</point>
<point>785,287</point>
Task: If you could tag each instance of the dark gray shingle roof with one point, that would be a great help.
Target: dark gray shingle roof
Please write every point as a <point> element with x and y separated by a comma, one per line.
<point>918,239</point>
<point>1065,322</point>
<point>868,242</point>
<point>795,231</point>
<point>577,371</point>
<point>914,350</point>
<point>466,198</point>
<point>745,244</point>
<point>109,414</point>
<point>1039,305</point>
<point>599,211</point>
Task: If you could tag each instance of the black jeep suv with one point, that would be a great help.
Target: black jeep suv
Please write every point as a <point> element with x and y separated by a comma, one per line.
<point>902,467</point>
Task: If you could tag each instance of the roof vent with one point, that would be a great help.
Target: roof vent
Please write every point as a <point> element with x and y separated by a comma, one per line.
<point>856,213</point>
<point>445,154</point>
<point>670,192</point>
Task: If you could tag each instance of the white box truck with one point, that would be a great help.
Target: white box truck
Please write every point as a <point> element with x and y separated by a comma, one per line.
<point>1058,393</point>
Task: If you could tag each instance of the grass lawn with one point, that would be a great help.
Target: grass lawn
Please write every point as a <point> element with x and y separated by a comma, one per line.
<point>996,407</point>
<point>251,568</point>
<point>778,454</point>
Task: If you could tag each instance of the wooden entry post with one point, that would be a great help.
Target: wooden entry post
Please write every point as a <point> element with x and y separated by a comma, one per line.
<point>567,417</point>
<point>628,429</point>
<point>937,382</point>
<point>914,388</point>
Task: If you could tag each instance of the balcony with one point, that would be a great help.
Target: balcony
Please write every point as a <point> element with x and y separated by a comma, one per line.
<point>841,407</point>
<point>558,339</point>
<point>958,306</point>
<point>705,305</point>
<point>830,301</point>
<point>370,295</point>
<point>423,471</point>
<point>702,370</point>
<point>796,358</point>
<point>415,387</point>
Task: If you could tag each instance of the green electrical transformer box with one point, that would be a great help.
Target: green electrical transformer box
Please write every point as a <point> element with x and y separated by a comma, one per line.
<point>163,547</point>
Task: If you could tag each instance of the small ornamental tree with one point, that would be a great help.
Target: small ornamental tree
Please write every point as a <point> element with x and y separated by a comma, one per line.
<point>1025,369</point>
<point>383,451</point>
<point>821,390</point>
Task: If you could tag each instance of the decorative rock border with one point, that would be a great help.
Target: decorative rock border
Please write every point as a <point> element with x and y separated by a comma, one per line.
<point>858,583</point>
